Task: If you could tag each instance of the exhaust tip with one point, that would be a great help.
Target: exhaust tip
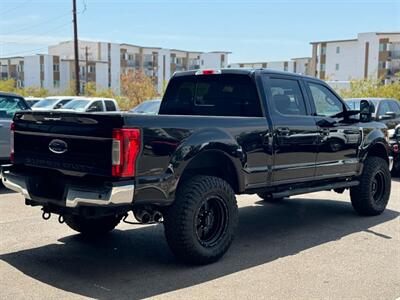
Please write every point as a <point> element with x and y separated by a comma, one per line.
<point>158,217</point>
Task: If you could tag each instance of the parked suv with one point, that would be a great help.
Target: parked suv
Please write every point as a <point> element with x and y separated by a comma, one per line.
<point>218,133</point>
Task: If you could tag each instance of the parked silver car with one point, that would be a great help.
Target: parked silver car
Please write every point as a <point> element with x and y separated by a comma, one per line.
<point>9,104</point>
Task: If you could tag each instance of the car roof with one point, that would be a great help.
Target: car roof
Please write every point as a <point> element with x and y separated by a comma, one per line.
<point>92,98</point>
<point>63,97</point>
<point>368,98</point>
<point>245,71</point>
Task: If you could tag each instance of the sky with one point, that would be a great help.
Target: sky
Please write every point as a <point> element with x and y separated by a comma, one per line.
<point>253,30</point>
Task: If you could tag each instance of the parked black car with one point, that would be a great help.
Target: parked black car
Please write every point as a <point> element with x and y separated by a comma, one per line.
<point>148,107</point>
<point>395,149</point>
<point>218,133</point>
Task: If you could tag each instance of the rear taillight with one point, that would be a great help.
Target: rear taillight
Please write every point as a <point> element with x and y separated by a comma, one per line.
<point>125,150</point>
<point>395,148</point>
<point>12,131</point>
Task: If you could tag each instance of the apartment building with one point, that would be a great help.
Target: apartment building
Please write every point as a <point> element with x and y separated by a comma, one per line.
<point>160,64</point>
<point>371,55</point>
<point>99,62</point>
<point>40,70</point>
<point>12,68</point>
<point>295,65</point>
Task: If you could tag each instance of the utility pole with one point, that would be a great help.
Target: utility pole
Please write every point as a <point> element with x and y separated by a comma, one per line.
<point>86,64</point>
<point>76,53</point>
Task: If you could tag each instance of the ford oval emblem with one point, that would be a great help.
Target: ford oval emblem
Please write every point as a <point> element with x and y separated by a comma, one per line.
<point>58,146</point>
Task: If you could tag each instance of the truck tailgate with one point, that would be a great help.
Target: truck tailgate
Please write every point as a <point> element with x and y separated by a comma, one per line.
<point>65,141</point>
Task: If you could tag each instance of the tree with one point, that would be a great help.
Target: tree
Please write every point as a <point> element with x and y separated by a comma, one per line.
<point>136,87</point>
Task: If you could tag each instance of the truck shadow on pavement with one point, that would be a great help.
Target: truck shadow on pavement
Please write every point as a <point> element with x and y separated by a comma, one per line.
<point>137,263</point>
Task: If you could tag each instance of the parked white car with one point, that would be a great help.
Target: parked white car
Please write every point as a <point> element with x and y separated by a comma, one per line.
<point>55,102</point>
<point>32,100</point>
<point>92,104</point>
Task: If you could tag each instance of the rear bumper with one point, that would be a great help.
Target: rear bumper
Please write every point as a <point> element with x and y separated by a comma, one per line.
<point>111,194</point>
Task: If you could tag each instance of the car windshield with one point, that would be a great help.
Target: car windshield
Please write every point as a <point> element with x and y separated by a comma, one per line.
<point>46,103</point>
<point>148,107</point>
<point>9,105</point>
<point>78,105</point>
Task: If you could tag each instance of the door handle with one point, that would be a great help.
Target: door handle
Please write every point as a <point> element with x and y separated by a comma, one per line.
<point>324,131</point>
<point>283,131</point>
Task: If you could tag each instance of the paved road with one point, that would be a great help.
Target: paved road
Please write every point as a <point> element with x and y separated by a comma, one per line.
<point>311,246</point>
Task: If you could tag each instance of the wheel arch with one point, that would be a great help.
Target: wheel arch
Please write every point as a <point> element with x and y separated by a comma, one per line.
<point>214,162</point>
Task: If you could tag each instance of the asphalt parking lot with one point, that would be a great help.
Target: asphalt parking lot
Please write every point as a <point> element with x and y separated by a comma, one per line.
<point>310,246</point>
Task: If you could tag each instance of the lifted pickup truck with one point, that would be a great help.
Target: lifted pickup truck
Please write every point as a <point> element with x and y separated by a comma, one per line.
<point>219,133</point>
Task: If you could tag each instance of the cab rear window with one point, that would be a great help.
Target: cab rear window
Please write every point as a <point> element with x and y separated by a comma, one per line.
<point>212,95</point>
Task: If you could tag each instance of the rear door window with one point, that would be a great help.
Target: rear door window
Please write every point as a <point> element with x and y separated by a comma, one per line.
<point>96,106</point>
<point>286,95</point>
<point>110,106</point>
<point>214,95</point>
<point>384,107</point>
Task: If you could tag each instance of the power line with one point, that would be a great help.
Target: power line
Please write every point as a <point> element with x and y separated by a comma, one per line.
<point>41,33</point>
<point>22,52</point>
<point>38,24</point>
<point>2,13</point>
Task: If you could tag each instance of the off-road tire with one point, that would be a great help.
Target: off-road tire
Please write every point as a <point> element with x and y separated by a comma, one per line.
<point>364,197</point>
<point>92,227</point>
<point>182,219</point>
<point>267,197</point>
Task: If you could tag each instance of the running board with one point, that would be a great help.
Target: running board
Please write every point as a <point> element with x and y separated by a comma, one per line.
<point>307,190</point>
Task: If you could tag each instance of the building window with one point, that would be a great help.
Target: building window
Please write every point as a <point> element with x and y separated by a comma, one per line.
<point>323,50</point>
<point>42,83</point>
<point>382,65</point>
<point>337,50</point>
<point>56,68</point>
<point>337,67</point>
<point>382,47</point>
<point>56,83</point>
<point>91,69</point>
<point>41,67</point>
<point>322,67</point>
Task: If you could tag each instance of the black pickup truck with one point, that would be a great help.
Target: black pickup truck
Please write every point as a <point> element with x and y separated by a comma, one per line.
<point>219,133</point>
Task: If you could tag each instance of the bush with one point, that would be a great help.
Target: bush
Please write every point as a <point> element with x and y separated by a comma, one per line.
<point>371,88</point>
<point>9,86</point>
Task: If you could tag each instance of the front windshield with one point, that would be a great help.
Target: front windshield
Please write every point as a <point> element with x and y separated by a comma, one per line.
<point>46,103</point>
<point>9,105</point>
<point>148,107</point>
<point>78,105</point>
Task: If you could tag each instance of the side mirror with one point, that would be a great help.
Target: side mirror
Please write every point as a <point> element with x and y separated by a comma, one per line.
<point>367,108</point>
<point>388,115</point>
<point>58,106</point>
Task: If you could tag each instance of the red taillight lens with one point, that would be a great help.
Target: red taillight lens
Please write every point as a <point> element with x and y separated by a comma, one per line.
<point>125,149</point>
<point>395,148</point>
<point>12,131</point>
